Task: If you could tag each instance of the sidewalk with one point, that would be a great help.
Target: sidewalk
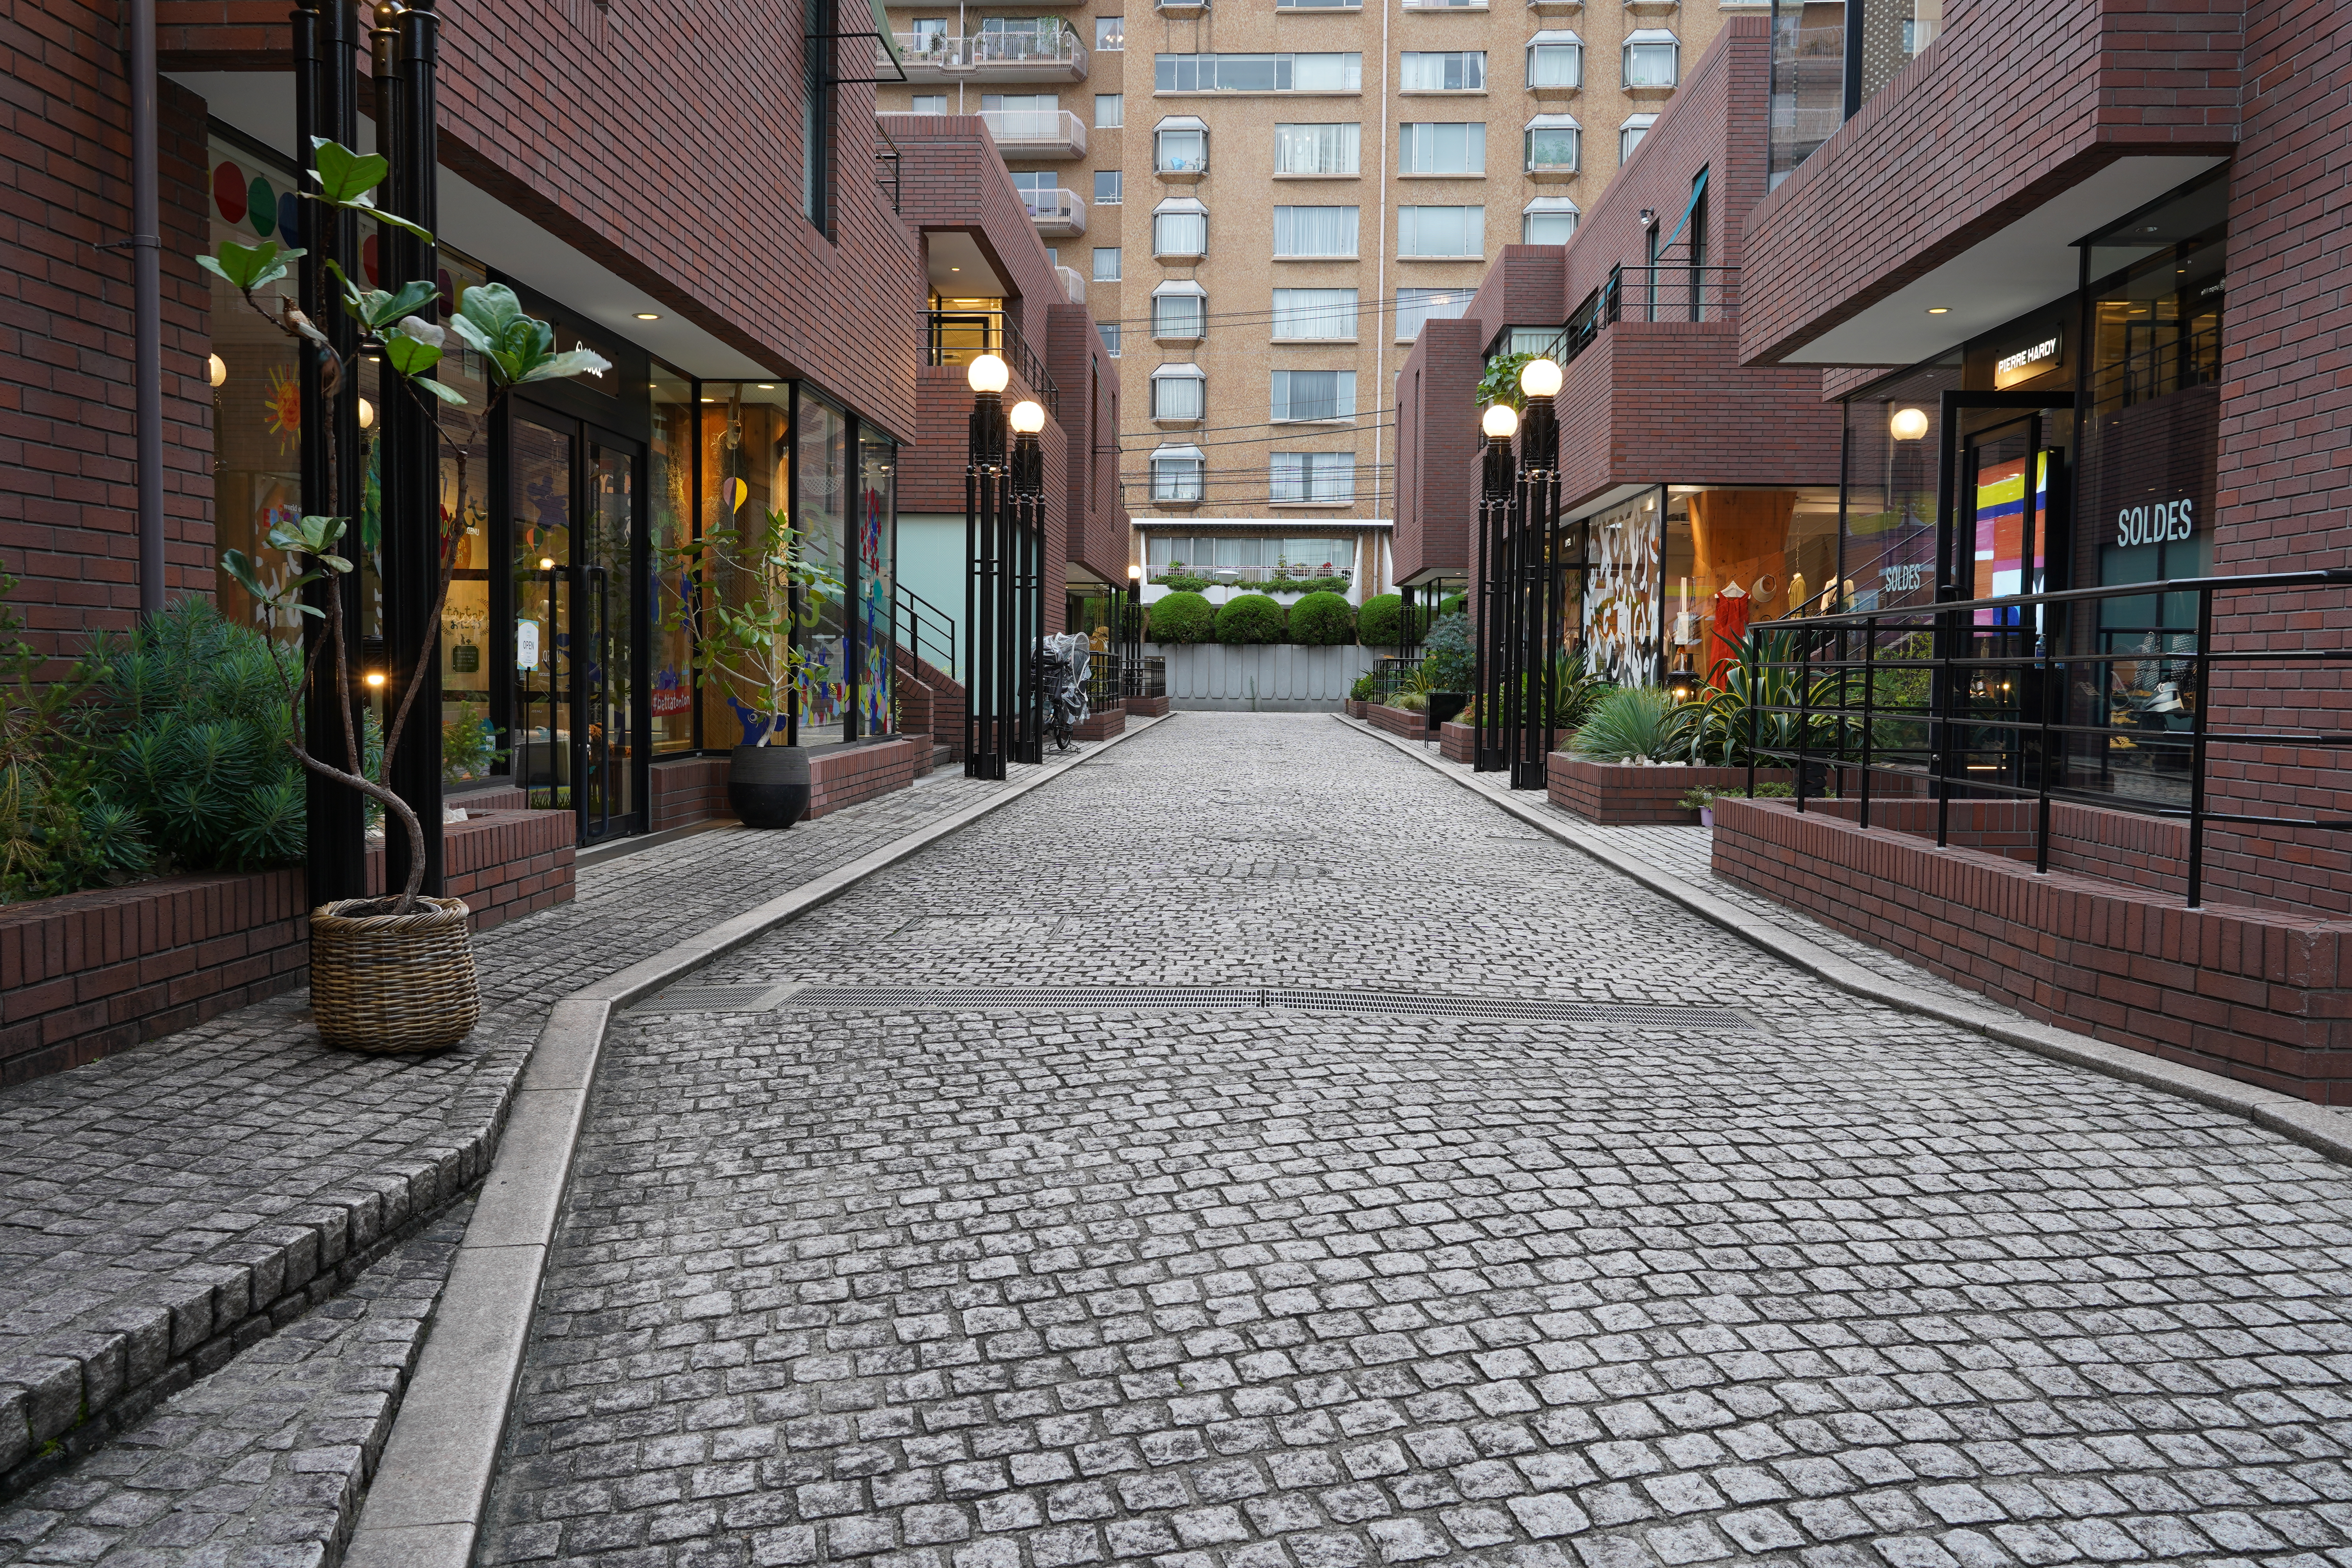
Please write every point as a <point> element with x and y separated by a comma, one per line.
<point>164,1209</point>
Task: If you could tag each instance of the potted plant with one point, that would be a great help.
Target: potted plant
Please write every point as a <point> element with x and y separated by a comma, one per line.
<point>741,612</point>
<point>393,974</point>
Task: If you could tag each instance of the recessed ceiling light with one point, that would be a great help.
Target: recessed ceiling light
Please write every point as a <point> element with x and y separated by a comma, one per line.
<point>955,268</point>
<point>648,316</point>
<point>766,385</point>
<point>1939,310</point>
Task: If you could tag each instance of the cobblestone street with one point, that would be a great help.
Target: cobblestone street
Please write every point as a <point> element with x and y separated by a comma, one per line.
<point>923,1285</point>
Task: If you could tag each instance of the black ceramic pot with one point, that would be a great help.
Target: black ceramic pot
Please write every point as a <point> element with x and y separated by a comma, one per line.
<point>768,786</point>
<point>1444,705</point>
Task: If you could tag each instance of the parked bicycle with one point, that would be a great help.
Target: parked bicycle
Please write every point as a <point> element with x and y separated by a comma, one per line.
<point>1062,682</point>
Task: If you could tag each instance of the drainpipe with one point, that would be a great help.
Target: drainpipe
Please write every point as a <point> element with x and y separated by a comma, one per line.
<point>146,291</point>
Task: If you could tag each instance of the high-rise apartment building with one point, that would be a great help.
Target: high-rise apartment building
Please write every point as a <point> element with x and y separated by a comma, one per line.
<point>1261,204</point>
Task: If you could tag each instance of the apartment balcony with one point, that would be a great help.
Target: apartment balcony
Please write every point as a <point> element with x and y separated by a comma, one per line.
<point>1036,132</point>
<point>1059,215</point>
<point>1073,284</point>
<point>993,58</point>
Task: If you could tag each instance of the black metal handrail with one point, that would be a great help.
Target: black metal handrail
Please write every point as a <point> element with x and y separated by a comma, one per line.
<point>923,629</point>
<point>2027,697</point>
<point>885,164</point>
<point>956,337</point>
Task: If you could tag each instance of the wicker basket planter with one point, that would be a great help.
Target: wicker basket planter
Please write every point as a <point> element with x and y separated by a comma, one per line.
<point>387,983</point>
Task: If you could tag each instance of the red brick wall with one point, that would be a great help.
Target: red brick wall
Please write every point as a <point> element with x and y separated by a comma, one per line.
<point>1438,445</point>
<point>1398,721</point>
<point>851,773</point>
<point>1614,793</point>
<point>68,505</point>
<point>2014,103</point>
<point>2254,995</point>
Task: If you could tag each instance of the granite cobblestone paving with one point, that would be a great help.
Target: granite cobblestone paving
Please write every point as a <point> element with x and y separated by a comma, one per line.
<point>1007,1289</point>
<point>163,1209</point>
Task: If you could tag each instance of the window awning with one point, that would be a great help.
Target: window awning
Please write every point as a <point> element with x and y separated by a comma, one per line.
<point>1174,121</point>
<point>1553,123</point>
<point>1182,204</point>
<point>1557,36</point>
<point>1189,291</point>
<point>1193,453</point>
<point>1550,205</point>
<point>1638,122</point>
<point>1650,36</point>
<point>1178,373</point>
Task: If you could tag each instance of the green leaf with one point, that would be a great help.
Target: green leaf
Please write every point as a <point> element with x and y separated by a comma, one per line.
<point>248,266</point>
<point>443,390</point>
<point>376,310</point>
<point>238,564</point>
<point>345,176</point>
<point>570,362</point>
<point>408,356</point>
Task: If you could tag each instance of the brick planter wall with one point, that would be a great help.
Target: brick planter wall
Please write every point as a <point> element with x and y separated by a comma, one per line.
<point>1620,793</point>
<point>1397,721</point>
<point>89,974</point>
<point>2255,995</point>
<point>687,789</point>
<point>1103,723</point>
<point>1356,708</point>
<point>1149,707</point>
<point>851,773</point>
<point>2150,853</point>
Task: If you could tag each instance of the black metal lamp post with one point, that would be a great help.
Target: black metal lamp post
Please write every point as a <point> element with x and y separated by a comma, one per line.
<point>988,588</point>
<point>1488,752</point>
<point>1026,624</point>
<point>1130,642</point>
<point>1534,583</point>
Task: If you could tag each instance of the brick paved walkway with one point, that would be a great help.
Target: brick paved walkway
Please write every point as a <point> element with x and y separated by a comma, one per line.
<point>1248,1289</point>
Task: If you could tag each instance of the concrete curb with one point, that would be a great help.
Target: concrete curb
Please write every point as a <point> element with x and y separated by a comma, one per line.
<point>2316,1127</point>
<point>425,1506</point>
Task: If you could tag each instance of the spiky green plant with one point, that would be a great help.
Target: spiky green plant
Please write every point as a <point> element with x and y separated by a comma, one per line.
<point>1633,723</point>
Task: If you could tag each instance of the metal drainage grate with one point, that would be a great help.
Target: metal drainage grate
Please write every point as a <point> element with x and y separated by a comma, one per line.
<point>1232,999</point>
<point>756,997</point>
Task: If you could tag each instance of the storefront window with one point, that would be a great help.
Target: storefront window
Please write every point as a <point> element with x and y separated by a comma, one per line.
<point>824,525</point>
<point>1620,547</point>
<point>257,393</point>
<point>669,524</point>
<point>1890,441</point>
<point>1735,556</point>
<point>878,541</point>
<point>468,736</point>
<point>747,470</point>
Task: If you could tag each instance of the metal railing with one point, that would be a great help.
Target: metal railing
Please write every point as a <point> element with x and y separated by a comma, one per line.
<point>1666,291</point>
<point>1056,208</point>
<point>1296,577</point>
<point>957,337</point>
<point>923,629</point>
<point>2102,697</point>
<point>1027,129</point>
<point>885,165</point>
<point>939,52</point>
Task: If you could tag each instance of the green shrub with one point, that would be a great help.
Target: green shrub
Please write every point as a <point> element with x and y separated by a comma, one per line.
<point>1378,622</point>
<point>1184,583</point>
<point>1633,723</point>
<point>1454,605</point>
<point>1181,618</point>
<point>1251,618</point>
<point>1410,701</point>
<point>1308,585</point>
<point>1320,620</point>
<point>204,764</point>
<point>1366,684</point>
<point>1452,661</point>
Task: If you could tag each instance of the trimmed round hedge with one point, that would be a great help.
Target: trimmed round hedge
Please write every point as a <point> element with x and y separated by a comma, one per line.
<point>1320,620</point>
<point>1180,617</point>
<point>1378,622</point>
<point>1251,617</point>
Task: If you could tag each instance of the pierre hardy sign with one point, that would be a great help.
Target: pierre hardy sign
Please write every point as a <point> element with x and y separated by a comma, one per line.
<point>2163,522</point>
<point>2027,361</point>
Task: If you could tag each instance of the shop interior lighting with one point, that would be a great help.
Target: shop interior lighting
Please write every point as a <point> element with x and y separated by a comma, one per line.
<point>374,677</point>
<point>217,369</point>
<point>1939,310</point>
<point>648,316</point>
<point>367,415</point>
<point>1541,378</point>
<point>547,562</point>
<point>987,374</point>
<point>1908,423</point>
<point>1027,419</point>
<point>1501,422</point>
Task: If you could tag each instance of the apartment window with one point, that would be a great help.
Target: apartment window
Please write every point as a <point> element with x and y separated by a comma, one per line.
<point>1556,60</point>
<point>1180,226</point>
<point>1653,58</point>
<point>1307,315</point>
<point>1415,306</point>
<point>1630,135</point>
<point>820,110</point>
<point>1180,145</point>
<point>1110,110</point>
<point>1106,264</point>
<point>1258,73</point>
<point>1178,391</point>
<point>1109,330</point>
<point>1178,473</point>
<point>1314,394</point>
<point>1302,233</point>
<point>1441,231</point>
<point>1547,220</point>
<point>1110,33</point>
<point>1435,148</point>
<point>1554,144</point>
<point>1108,187</point>
<point>931,103</point>
<point>1179,311</point>
<point>1457,70</point>
<point>1297,477</point>
<point>1320,149</point>
<point>1319,5</point>
<point>929,33</point>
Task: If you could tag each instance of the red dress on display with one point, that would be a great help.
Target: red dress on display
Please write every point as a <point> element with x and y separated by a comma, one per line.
<point>1731,608</point>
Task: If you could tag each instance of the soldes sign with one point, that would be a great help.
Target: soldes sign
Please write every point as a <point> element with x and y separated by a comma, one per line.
<point>2162,522</point>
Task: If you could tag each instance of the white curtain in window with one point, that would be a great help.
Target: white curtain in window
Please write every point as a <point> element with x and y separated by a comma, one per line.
<point>1547,220</point>
<point>1553,141</point>
<point>1650,57</point>
<point>1326,73</point>
<point>1314,394</point>
<point>1315,231</point>
<point>1178,310</point>
<point>1313,312</point>
<point>1442,149</point>
<point>1555,59</point>
<point>1331,149</point>
<point>1448,72</point>
<point>1180,234</point>
<point>1415,306</point>
<point>1106,264</point>
<point>1176,479</point>
<point>1177,391</point>
<point>1441,231</point>
<point>1309,477</point>
<point>1630,135</point>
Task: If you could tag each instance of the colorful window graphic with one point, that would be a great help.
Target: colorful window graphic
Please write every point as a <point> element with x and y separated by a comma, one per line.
<point>2001,567</point>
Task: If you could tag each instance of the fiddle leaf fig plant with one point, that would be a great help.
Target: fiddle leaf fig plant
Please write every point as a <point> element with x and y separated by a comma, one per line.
<point>739,613</point>
<point>393,326</point>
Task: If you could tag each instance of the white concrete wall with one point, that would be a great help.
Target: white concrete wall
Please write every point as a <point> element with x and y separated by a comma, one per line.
<point>1265,677</point>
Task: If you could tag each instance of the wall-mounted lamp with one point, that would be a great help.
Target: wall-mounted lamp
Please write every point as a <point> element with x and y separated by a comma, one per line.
<point>1908,423</point>
<point>1649,218</point>
<point>1027,417</point>
<point>987,374</point>
<point>1135,573</point>
<point>217,368</point>
<point>1500,422</point>
<point>367,415</point>
<point>1541,378</point>
<point>374,678</point>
